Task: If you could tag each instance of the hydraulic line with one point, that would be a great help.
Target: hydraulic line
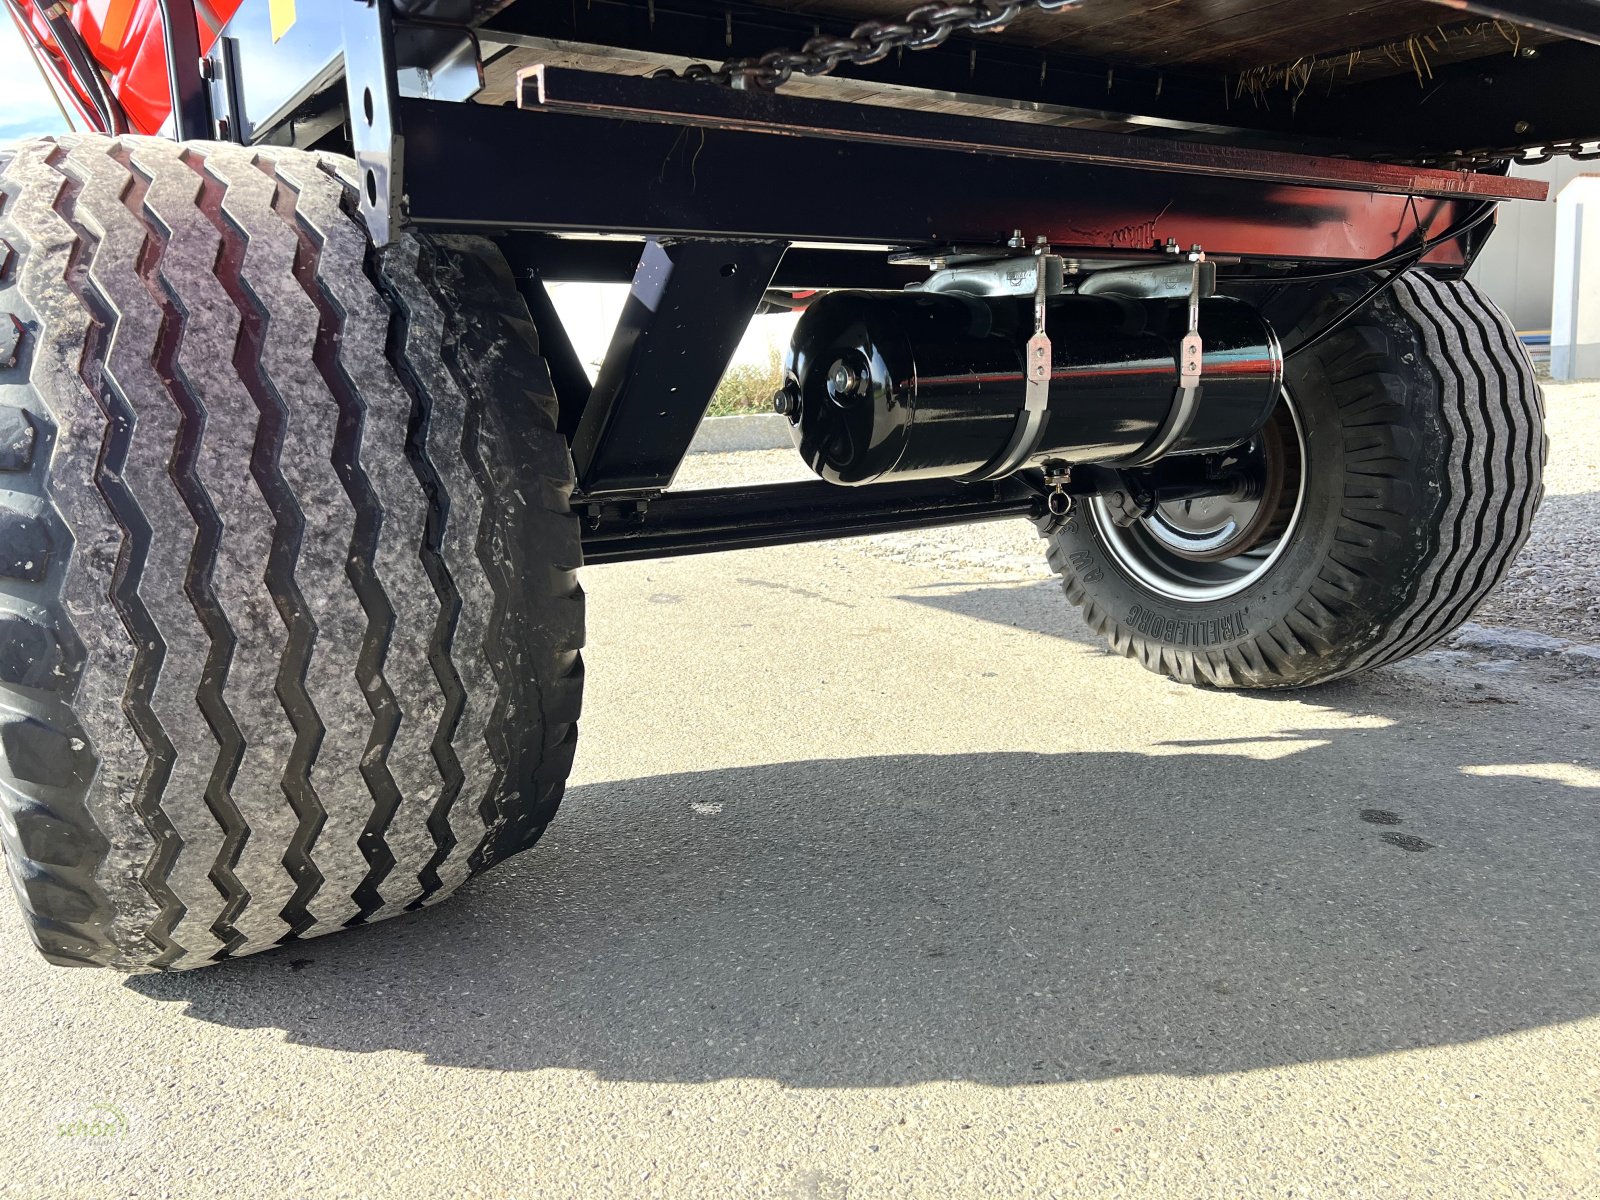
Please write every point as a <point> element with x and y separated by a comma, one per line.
<point>1398,264</point>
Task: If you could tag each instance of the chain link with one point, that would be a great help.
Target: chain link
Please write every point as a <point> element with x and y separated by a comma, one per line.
<point>1581,151</point>
<point>922,28</point>
<point>1528,156</point>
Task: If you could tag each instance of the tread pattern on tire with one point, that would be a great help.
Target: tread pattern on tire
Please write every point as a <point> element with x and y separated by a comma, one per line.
<point>1436,504</point>
<point>294,643</point>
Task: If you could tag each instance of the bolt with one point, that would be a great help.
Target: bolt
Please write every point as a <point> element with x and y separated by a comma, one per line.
<point>1521,127</point>
<point>786,402</point>
<point>846,379</point>
<point>1530,52</point>
<point>1017,241</point>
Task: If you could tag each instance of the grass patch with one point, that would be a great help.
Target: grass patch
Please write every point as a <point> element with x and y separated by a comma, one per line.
<point>748,387</point>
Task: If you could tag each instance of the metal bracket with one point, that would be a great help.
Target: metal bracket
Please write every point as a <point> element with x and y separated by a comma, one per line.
<point>1191,363</point>
<point>1036,364</point>
<point>1017,276</point>
<point>379,142</point>
<point>689,305</point>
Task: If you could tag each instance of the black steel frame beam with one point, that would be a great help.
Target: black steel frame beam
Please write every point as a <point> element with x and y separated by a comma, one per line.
<point>696,106</point>
<point>613,260</point>
<point>698,522</point>
<point>622,176</point>
<point>377,133</point>
<point>689,306</point>
<point>567,374</point>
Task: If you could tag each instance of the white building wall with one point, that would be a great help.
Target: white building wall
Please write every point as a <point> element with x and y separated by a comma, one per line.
<point>1517,266</point>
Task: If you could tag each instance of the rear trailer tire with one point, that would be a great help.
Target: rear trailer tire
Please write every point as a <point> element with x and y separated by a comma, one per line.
<point>289,615</point>
<point>1415,446</point>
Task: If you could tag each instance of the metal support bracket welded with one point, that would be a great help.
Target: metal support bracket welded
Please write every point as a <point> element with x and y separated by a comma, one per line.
<point>688,308</point>
<point>378,140</point>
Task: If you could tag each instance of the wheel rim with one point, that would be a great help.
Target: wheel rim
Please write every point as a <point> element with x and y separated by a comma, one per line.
<point>1215,547</point>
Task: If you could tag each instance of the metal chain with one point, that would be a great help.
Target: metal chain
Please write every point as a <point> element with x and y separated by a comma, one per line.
<point>1581,151</point>
<point>922,28</point>
<point>1530,156</point>
<point>930,25</point>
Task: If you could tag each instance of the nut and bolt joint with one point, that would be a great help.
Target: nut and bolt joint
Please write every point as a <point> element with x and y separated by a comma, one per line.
<point>786,402</point>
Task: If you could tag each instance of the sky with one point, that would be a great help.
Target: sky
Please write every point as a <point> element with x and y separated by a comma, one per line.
<point>25,104</point>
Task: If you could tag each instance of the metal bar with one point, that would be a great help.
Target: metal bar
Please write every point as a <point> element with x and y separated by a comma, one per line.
<point>626,177</point>
<point>227,97</point>
<point>585,260</point>
<point>690,304</point>
<point>567,375</point>
<point>191,106</point>
<point>375,129</point>
<point>1571,18</point>
<point>673,102</point>
<point>699,522</point>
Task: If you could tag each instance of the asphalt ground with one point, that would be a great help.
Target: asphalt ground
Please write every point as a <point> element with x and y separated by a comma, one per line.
<point>879,878</point>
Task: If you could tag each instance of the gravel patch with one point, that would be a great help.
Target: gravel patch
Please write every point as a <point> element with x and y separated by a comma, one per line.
<point>1506,647</point>
<point>1554,585</point>
<point>1552,588</point>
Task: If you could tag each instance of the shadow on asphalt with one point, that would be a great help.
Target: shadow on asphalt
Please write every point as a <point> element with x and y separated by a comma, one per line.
<point>1005,918</point>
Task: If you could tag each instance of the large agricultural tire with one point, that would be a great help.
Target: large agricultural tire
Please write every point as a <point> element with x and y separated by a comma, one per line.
<point>1411,446</point>
<point>289,614</point>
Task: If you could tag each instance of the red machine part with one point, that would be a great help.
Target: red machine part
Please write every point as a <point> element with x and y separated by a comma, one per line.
<point>125,38</point>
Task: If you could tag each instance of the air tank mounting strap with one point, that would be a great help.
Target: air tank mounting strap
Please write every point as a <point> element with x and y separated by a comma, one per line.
<point>1191,359</point>
<point>1037,362</point>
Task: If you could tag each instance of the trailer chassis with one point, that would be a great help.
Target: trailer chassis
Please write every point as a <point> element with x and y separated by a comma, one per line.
<point>743,187</point>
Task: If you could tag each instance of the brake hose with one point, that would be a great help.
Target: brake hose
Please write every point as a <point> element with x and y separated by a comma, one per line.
<point>1400,262</point>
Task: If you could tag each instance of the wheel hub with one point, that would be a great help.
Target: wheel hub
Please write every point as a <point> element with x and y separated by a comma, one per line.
<point>1208,547</point>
